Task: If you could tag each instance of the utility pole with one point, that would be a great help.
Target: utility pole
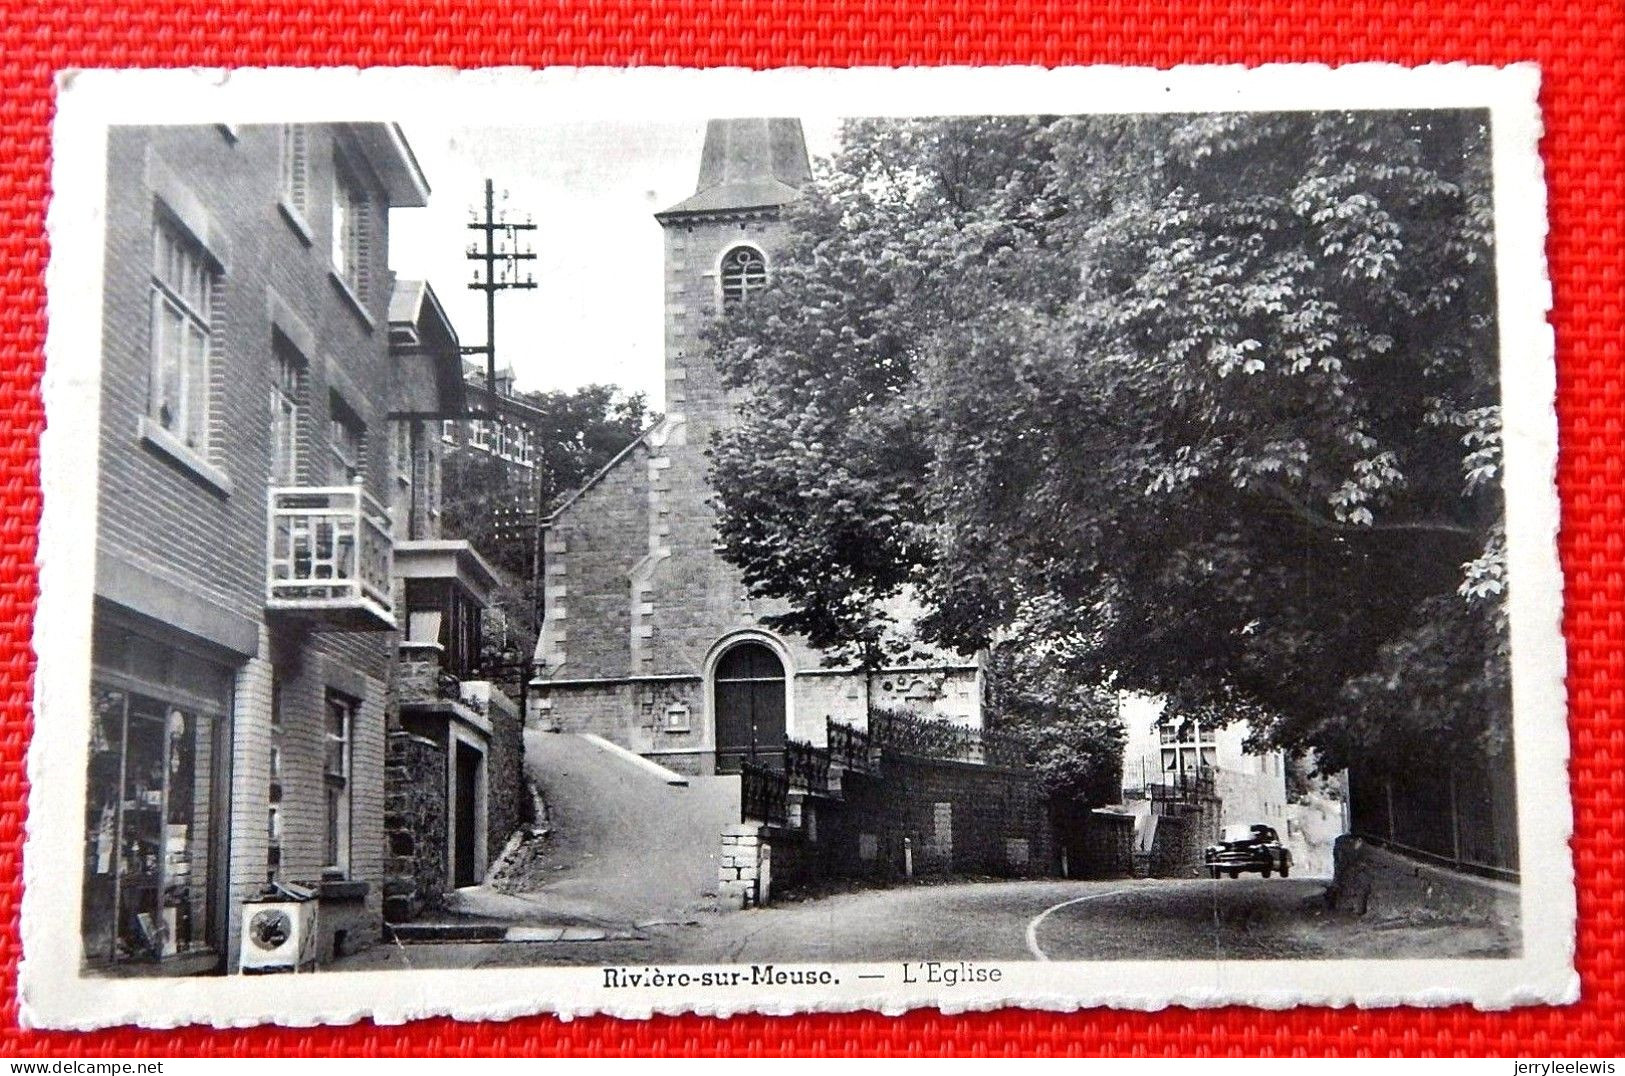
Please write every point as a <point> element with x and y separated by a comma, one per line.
<point>498,253</point>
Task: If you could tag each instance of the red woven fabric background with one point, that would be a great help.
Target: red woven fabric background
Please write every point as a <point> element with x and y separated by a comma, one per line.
<point>1579,47</point>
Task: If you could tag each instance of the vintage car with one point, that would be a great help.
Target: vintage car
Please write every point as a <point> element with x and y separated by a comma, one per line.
<point>1248,848</point>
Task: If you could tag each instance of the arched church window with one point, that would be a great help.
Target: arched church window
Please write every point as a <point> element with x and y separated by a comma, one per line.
<point>744,272</point>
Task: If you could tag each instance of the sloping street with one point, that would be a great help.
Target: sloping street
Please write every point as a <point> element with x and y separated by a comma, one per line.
<point>627,849</point>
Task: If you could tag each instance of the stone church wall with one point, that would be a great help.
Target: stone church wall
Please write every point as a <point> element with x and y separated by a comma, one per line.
<point>638,715</point>
<point>668,719</point>
<point>588,553</point>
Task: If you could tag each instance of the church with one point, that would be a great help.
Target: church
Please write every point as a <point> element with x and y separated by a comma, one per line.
<point>649,637</point>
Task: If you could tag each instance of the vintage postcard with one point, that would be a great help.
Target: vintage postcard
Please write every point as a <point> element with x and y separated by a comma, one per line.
<point>646,541</point>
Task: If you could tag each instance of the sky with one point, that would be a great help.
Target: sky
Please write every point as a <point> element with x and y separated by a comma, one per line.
<point>592,188</point>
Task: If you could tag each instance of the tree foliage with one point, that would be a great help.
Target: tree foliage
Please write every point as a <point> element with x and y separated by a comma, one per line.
<point>1070,725</point>
<point>1211,402</point>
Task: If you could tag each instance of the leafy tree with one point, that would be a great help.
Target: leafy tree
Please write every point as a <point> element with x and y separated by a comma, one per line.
<point>1070,726</point>
<point>1212,399</point>
<point>581,431</point>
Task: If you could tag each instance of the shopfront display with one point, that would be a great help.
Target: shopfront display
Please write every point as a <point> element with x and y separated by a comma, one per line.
<point>152,847</point>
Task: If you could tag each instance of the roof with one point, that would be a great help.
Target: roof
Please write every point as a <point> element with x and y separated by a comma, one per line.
<point>419,329</point>
<point>387,151</point>
<point>748,164</point>
<point>602,472</point>
<point>481,398</point>
<point>430,559</point>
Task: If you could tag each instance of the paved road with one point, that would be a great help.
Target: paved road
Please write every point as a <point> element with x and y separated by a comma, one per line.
<point>627,848</point>
<point>1133,919</point>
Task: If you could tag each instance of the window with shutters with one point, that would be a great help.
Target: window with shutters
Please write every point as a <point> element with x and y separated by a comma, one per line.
<point>294,159</point>
<point>744,272</point>
<point>336,776</point>
<point>286,395</point>
<point>183,284</point>
<point>1188,748</point>
<point>352,222</point>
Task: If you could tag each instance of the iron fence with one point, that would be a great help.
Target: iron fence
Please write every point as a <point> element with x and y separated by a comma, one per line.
<point>934,738</point>
<point>1461,813</point>
<point>1189,787</point>
<point>806,766</point>
<point>848,746</point>
<point>764,795</point>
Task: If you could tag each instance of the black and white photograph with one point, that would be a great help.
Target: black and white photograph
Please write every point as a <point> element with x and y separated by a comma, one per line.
<point>631,542</point>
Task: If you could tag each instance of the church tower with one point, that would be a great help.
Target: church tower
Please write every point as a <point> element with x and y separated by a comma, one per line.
<point>720,246</point>
<point>650,638</point>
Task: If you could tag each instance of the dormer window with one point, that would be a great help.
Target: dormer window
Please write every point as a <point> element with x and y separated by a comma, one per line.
<point>744,272</point>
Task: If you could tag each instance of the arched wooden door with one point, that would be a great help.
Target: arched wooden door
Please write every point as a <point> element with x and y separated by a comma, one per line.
<point>749,700</point>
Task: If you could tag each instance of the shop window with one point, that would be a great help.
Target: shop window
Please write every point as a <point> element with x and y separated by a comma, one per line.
<point>148,839</point>
<point>183,283</point>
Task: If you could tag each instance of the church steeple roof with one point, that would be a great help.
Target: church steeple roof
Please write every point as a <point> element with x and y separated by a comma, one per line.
<point>748,164</point>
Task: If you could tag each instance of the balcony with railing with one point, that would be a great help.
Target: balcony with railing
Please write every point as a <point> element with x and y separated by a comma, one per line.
<point>329,558</point>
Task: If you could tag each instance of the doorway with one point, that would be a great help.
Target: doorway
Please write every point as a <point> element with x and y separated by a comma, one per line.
<point>749,687</point>
<point>466,820</point>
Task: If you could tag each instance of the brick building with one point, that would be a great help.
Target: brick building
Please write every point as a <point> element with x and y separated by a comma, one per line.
<point>267,456</point>
<point>649,637</point>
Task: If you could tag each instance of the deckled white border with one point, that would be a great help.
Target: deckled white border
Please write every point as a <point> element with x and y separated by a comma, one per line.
<point>52,993</point>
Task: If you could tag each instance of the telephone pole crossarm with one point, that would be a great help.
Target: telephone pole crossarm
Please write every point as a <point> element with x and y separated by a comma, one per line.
<point>498,254</point>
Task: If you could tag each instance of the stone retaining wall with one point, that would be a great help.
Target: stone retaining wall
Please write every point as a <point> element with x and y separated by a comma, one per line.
<point>913,815</point>
<point>1104,847</point>
<point>508,804</point>
<point>1371,880</point>
<point>414,826</point>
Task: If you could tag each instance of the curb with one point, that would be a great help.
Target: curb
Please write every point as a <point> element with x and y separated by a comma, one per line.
<point>668,776</point>
<point>492,933</point>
